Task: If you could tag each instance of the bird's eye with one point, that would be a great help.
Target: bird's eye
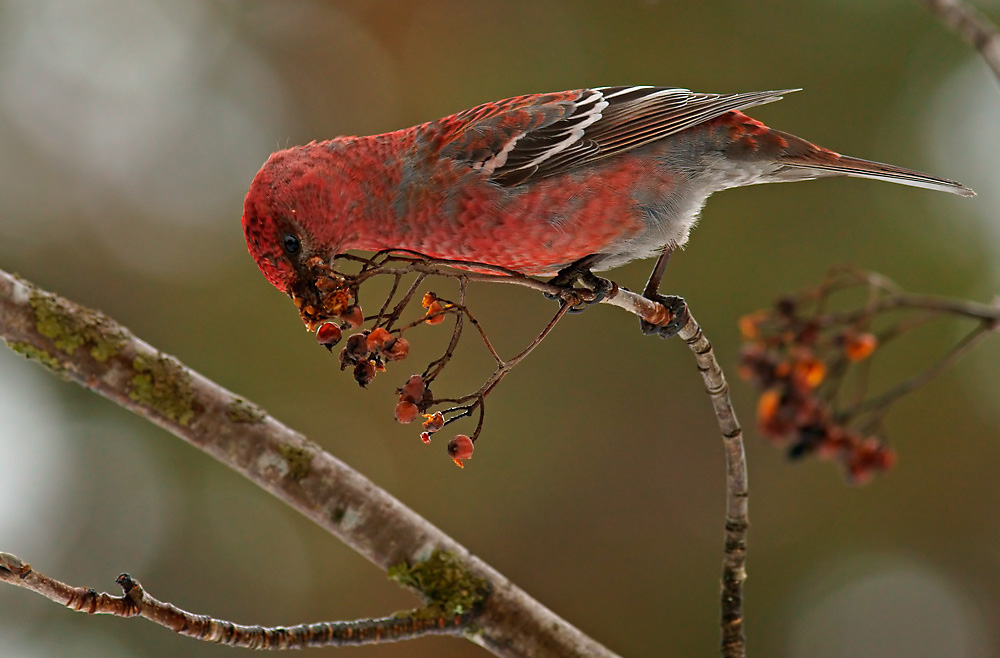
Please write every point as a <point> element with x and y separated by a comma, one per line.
<point>291,244</point>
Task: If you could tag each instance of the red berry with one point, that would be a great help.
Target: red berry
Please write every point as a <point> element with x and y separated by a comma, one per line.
<point>460,447</point>
<point>353,316</point>
<point>329,334</point>
<point>425,437</point>
<point>406,412</point>
<point>413,389</point>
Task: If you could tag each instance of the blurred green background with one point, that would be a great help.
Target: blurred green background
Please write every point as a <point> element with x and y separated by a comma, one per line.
<point>129,133</point>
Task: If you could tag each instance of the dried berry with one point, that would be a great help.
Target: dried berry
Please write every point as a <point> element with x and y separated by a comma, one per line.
<point>364,373</point>
<point>329,334</point>
<point>434,422</point>
<point>337,299</point>
<point>406,412</point>
<point>355,350</point>
<point>396,349</point>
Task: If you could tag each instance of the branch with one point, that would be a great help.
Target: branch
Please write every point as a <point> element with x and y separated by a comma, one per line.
<point>737,491</point>
<point>972,26</point>
<point>136,602</point>
<point>96,352</point>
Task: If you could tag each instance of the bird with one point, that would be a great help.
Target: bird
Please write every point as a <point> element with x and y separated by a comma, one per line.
<point>555,184</point>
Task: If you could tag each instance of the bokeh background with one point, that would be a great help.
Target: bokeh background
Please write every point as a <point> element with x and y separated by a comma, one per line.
<point>129,133</point>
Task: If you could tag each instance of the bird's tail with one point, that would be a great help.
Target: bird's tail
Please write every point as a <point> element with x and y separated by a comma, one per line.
<point>807,160</point>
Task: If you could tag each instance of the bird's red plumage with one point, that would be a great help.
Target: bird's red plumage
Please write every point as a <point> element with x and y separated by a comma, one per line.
<point>532,183</point>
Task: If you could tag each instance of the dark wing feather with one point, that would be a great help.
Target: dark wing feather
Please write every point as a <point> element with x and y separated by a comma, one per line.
<point>532,137</point>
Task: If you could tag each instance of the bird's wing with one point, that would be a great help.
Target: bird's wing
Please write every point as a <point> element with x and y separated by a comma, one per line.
<point>530,137</point>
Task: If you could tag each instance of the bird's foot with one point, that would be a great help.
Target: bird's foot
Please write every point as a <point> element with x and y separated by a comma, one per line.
<point>594,290</point>
<point>678,310</point>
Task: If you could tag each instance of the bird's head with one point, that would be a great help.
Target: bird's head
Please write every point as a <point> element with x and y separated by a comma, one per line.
<point>292,220</point>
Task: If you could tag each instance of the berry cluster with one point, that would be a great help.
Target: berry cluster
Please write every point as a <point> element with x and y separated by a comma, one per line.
<point>326,294</point>
<point>368,352</point>
<point>798,363</point>
<point>328,304</point>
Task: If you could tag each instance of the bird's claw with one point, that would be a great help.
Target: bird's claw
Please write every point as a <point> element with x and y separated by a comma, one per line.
<point>579,272</point>
<point>678,316</point>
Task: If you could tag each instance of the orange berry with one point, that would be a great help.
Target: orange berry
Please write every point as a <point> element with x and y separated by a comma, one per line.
<point>396,350</point>
<point>768,405</point>
<point>859,347</point>
<point>771,421</point>
<point>460,447</point>
<point>434,422</point>
<point>406,412</point>
<point>377,338</point>
<point>429,298</point>
<point>810,371</point>
<point>425,437</point>
<point>435,313</point>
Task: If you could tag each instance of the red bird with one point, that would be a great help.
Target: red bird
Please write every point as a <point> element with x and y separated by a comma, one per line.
<point>597,177</point>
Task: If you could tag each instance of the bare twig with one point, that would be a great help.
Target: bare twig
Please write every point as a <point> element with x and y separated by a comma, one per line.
<point>973,26</point>
<point>879,405</point>
<point>737,490</point>
<point>136,602</point>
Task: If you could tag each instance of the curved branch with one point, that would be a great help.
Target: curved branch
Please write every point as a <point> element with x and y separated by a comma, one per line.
<point>737,491</point>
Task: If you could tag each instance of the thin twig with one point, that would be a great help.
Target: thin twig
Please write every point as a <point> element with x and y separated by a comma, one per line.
<point>878,405</point>
<point>737,489</point>
<point>136,602</point>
